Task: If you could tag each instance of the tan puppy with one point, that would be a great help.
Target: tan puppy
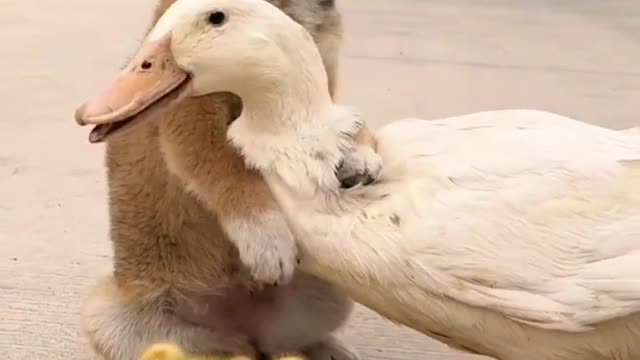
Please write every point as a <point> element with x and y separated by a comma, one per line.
<point>177,277</point>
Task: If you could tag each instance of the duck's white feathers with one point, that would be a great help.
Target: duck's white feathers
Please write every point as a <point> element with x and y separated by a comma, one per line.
<point>527,213</point>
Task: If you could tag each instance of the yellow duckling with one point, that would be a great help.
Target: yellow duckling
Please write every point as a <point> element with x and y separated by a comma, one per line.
<point>167,351</point>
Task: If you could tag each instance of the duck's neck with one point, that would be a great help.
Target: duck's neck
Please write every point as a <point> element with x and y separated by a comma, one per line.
<point>293,133</point>
<point>285,104</point>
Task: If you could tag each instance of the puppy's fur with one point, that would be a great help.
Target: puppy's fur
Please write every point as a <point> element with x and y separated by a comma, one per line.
<point>177,277</point>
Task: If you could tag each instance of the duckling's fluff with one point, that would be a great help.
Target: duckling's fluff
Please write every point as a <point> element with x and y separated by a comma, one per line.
<point>169,351</point>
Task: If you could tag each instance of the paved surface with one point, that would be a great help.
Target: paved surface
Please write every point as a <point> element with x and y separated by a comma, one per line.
<point>402,58</point>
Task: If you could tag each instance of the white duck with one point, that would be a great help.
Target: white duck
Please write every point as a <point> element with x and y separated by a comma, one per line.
<point>514,234</point>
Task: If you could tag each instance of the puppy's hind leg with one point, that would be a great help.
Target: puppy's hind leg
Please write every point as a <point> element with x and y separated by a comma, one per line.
<point>121,326</point>
<point>303,317</point>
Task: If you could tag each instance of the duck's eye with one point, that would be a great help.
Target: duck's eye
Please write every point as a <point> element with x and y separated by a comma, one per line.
<point>217,18</point>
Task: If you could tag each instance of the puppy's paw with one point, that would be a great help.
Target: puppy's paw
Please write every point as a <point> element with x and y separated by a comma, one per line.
<point>361,165</point>
<point>266,247</point>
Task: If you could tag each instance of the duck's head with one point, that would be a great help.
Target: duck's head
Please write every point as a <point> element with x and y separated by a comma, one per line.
<point>199,47</point>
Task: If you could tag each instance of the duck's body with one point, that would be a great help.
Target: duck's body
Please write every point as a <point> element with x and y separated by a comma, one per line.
<point>510,233</point>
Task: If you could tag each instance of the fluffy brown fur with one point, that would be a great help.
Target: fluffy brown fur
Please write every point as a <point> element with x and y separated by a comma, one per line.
<point>176,276</point>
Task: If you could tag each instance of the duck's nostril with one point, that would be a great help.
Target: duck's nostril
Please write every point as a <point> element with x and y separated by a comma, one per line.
<point>146,65</point>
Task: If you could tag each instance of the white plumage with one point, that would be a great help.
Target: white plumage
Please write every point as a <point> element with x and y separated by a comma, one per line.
<point>531,214</point>
<point>515,233</point>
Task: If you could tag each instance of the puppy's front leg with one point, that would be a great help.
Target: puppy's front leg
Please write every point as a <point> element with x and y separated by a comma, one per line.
<point>265,243</point>
<point>246,210</point>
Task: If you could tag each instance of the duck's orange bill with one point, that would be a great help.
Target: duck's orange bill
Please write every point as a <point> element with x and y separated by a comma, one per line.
<point>149,78</point>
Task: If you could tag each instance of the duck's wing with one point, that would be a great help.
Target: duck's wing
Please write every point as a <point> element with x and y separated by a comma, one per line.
<point>530,214</point>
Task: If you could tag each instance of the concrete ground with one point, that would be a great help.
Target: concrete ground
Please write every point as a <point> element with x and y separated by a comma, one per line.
<point>402,58</point>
